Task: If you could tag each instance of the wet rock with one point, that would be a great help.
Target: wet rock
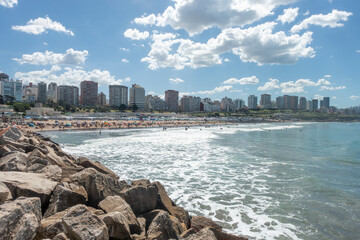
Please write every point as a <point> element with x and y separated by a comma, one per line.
<point>163,200</point>
<point>187,233</point>
<point>20,219</point>
<point>23,184</point>
<point>14,162</point>
<point>97,185</point>
<point>183,216</point>
<point>204,234</point>
<point>162,227</point>
<point>51,226</point>
<point>64,196</point>
<point>117,225</point>
<point>118,204</point>
<point>80,223</point>
<point>226,236</point>
<point>5,193</point>
<point>141,199</point>
<point>86,163</point>
<point>199,222</point>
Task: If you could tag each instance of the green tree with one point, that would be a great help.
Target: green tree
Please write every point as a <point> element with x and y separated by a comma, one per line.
<point>134,108</point>
<point>122,107</point>
<point>21,107</point>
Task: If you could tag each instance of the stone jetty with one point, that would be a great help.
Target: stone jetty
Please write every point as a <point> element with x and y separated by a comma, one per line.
<point>46,193</point>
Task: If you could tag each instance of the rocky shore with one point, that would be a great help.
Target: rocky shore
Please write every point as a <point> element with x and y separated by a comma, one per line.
<point>46,193</point>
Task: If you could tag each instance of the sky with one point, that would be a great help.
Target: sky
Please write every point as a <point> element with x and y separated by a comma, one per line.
<point>206,48</point>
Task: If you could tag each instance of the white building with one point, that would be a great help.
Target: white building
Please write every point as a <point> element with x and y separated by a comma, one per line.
<point>118,95</point>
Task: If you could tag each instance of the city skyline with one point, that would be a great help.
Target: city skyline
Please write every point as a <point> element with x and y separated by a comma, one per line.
<point>207,57</point>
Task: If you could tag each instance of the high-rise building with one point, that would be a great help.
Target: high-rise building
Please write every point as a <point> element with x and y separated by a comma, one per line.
<point>239,104</point>
<point>137,97</point>
<point>68,94</point>
<point>41,95</point>
<point>252,102</point>
<point>227,105</point>
<point>52,91</point>
<point>185,104</point>
<point>172,100</point>
<point>321,104</point>
<point>315,104</point>
<point>294,102</point>
<point>101,99</point>
<point>4,77</point>
<point>309,106</point>
<point>12,89</point>
<point>195,104</point>
<point>265,101</point>
<point>89,93</point>
<point>280,103</point>
<point>302,103</point>
<point>327,102</point>
<point>155,103</point>
<point>118,95</point>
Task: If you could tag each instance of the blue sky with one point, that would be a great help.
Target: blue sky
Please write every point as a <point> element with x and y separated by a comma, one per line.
<point>207,48</point>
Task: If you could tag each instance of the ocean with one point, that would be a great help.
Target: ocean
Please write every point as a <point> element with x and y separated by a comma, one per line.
<point>264,181</point>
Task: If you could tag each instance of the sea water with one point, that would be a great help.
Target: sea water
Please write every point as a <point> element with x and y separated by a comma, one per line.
<point>264,181</point>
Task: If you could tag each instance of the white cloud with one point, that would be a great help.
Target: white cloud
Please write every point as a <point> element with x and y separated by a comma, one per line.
<point>358,51</point>
<point>151,93</point>
<point>257,44</point>
<point>176,80</point>
<point>332,88</point>
<point>354,97</point>
<point>8,3</point>
<point>307,13</point>
<point>318,97</point>
<point>332,20</point>
<point>197,16</point>
<point>69,76</point>
<point>242,81</point>
<point>71,57</point>
<point>271,85</point>
<point>216,90</point>
<point>125,49</point>
<point>135,34</point>
<point>327,76</point>
<point>45,43</point>
<point>124,60</point>
<point>226,60</point>
<point>289,15</point>
<point>334,97</point>
<point>41,25</point>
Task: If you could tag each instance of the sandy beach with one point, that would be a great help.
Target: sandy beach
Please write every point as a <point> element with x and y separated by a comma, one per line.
<point>64,125</point>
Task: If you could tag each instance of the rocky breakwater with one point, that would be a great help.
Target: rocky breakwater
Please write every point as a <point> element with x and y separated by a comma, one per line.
<point>46,193</point>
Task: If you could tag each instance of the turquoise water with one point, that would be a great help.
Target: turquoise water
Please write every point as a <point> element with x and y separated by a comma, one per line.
<point>265,181</point>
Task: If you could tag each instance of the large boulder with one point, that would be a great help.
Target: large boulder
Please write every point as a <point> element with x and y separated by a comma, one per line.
<point>61,236</point>
<point>5,193</point>
<point>16,161</point>
<point>20,219</point>
<point>51,226</point>
<point>204,234</point>
<point>118,204</point>
<point>64,196</point>
<point>4,150</point>
<point>13,133</point>
<point>183,216</point>
<point>86,163</point>
<point>80,223</point>
<point>200,222</point>
<point>97,185</point>
<point>142,199</point>
<point>52,172</point>
<point>162,227</point>
<point>117,224</point>
<point>23,184</point>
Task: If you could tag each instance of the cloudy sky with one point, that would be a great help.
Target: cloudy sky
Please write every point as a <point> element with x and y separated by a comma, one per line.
<point>207,48</point>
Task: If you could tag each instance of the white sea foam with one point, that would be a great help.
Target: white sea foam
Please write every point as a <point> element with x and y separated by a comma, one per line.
<point>199,174</point>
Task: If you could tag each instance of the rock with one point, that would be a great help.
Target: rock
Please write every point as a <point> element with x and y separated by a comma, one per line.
<point>34,141</point>
<point>142,223</point>
<point>80,223</point>
<point>28,185</point>
<point>51,226</point>
<point>4,149</point>
<point>163,200</point>
<point>64,196</point>
<point>141,199</point>
<point>226,236</point>
<point>5,193</point>
<point>117,225</point>
<point>13,133</point>
<point>183,216</point>
<point>95,211</point>
<point>141,182</point>
<point>52,172</point>
<point>177,226</point>
<point>20,219</point>
<point>14,162</point>
<point>199,222</point>
<point>187,233</point>
<point>97,185</point>
<point>204,234</point>
<point>61,236</point>
<point>86,163</point>
<point>118,204</point>
<point>36,153</point>
<point>161,227</point>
